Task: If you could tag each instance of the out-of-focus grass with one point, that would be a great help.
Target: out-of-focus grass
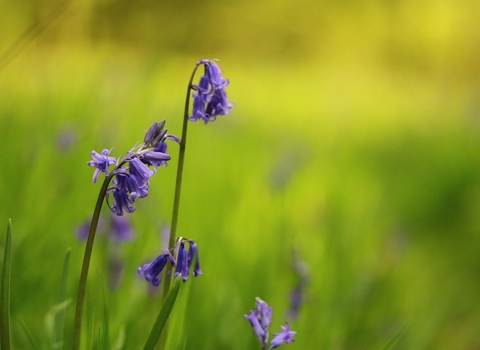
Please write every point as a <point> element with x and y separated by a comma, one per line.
<point>361,155</point>
<point>379,199</point>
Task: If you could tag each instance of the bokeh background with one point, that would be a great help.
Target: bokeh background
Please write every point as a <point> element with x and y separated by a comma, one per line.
<point>350,163</point>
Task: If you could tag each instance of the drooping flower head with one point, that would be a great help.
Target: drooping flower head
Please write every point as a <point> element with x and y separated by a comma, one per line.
<point>182,262</point>
<point>210,98</point>
<point>193,255</point>
<point>180,258</point>
<point>121,201</point>
<point>152,271</point>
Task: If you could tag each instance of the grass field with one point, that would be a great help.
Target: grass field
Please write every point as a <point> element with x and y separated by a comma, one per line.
<point>368,175</point>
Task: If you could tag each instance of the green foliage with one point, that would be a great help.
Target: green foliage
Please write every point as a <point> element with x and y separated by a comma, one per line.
<point>163,316</point>
<point>354,142</point>
<point>5,290</point>
<point>62,300</point>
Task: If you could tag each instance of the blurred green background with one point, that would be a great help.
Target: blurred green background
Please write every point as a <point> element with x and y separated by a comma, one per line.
<point>354,146</point>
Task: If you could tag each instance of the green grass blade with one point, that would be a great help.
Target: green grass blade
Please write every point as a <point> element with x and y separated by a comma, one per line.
<point>397,336</point>
<point>5,299</point>
<point>120,341</point>
<point>176,339</point>
<point>163,316</point>
<point>91,330</point>
<point>106,313</point>
<point>50,322</point>
<point>62,297</point>
<point>34,344</point>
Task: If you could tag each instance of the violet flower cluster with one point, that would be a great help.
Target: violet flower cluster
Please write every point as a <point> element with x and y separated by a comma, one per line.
<point>260,319</point>
<point>133,171</point>
<point>120,229</point>
<point>182,262</point>
<point>210,98</point>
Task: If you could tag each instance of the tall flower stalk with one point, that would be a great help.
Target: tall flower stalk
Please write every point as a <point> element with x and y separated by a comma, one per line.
<point>209,101</point>
<point>132,173</point>
<point>130,184</point>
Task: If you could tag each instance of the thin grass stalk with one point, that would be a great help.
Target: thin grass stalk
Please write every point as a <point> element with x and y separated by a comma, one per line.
<point>5,296</point>
<point>62,297</point>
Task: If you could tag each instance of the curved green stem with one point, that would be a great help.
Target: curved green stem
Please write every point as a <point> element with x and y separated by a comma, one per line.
<point>176,203</point>
<point>178,183</point>
<point>82,285</point>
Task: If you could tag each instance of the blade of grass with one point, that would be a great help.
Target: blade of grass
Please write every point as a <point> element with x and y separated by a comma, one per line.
<point>175,339</point>
<point>120,341</point>
<point>62,297</point>
<point>34,344</point>
<point>91,330</point>
<point>163,315</point>
<point>105,328</point>
<point>5,301</point>
<point>50,323</point>
<point>397,336</point>
<point>31,33</point>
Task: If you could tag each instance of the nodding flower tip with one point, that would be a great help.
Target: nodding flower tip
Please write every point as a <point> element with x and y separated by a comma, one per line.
<point>182,264</point>
<point>210,98</point>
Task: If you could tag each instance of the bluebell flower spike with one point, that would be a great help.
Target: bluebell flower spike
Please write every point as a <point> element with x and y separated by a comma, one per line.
<point>260,320</point>
<point>210,98</point>
<point>182,264</point>
<point>133,172</point>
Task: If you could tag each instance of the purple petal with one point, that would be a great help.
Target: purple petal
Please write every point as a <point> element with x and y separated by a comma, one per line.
<point>173,138</point>
<point>152,271</point>
<point>214,74</point>
<point>182,262</point>
<point>193,255</point>
<point>285,336</point>
<point>121,202</point>
<point>265,313</point>
<point>257,328</point>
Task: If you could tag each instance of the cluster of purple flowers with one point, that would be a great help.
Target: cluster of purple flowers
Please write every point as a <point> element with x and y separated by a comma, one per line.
<point>133,171</point>
<point>131,182</point>
<point>120,229</point>
<point>210,98</point>
<point>182,262</point>
<point>260,319</point>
